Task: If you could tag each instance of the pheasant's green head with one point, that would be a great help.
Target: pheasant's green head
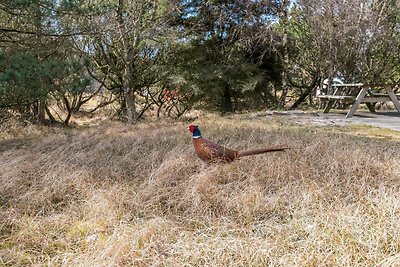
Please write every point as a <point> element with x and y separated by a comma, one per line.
<point>194,129</point>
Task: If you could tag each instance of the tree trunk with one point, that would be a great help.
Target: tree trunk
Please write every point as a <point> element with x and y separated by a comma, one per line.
<point>41,104</point>
<point>51,117</point>
<point>306,93</point>
<point>127,75</point>
<point>285,89</point>
<point>302,97</point>
<point>69,110</point>
<point>41,112</point>
<point>226,100</point>
<point>130,105</point>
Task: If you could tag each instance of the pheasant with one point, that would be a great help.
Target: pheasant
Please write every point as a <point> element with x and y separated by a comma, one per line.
<point>211,152</point>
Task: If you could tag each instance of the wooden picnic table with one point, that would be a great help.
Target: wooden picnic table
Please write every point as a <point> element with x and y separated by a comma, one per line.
<point>365,94</point>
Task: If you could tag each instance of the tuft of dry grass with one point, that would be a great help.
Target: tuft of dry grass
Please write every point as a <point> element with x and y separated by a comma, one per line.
<point>117,195</point>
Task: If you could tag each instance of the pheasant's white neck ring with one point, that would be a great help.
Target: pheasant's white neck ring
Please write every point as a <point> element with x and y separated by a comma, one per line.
<point>196,133</point>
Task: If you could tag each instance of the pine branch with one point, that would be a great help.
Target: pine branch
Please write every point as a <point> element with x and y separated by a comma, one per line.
<point>6,30</point>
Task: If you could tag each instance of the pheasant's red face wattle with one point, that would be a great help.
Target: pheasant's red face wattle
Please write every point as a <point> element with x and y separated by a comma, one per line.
<point>192,128</point>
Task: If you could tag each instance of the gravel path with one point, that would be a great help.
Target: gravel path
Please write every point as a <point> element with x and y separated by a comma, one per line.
<point>389,119</point>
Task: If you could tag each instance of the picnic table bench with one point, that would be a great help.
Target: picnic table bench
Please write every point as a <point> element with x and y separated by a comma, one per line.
<point>357,93</point>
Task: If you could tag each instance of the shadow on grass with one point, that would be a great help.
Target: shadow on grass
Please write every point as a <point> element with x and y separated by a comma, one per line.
<point>14,144</point>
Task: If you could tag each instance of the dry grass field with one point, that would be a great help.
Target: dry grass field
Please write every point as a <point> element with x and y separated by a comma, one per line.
<point>118,195</point>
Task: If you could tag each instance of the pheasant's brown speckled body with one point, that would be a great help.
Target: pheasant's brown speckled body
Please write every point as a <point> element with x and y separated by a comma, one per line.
<point>211,152</point>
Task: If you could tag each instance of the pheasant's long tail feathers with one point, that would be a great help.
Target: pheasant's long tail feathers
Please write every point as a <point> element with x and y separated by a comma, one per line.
<point>262,150</point>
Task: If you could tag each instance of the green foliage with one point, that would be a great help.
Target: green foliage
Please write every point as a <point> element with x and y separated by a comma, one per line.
<point>222,55</point>
<point>223,84</point>
<point>218,57</point>
<point>37,59</point>
<point>25,79</point>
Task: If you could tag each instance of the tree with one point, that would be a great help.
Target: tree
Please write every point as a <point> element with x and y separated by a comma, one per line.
<point>36,56</point>
<point>282,11</point>
<point>218,45</point>
<point>131,40</point>
<point>354,39</point>
<point>358,38</point>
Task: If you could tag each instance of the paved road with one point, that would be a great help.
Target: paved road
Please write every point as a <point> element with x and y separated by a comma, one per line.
<point>389,120</point>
